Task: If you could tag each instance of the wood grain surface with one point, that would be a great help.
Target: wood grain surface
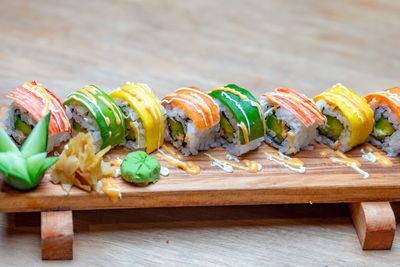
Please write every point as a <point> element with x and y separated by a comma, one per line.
<point>306,45</point>
<point>323,182</point>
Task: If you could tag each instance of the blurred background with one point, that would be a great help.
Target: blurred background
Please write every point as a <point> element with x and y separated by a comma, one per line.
<point>260,45</point>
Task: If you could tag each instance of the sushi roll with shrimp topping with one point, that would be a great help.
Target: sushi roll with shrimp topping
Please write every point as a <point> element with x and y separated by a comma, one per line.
<point>242,124</point>
<point>349,119</point>
<point>386,108</point>
<point>192,118</point>
<point>32,102</point>
<point>291,120</point>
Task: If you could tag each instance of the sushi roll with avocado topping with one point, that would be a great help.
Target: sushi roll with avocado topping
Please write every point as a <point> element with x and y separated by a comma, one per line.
<point>386,108</point>
<point>192,118</point>
<point>144,119</point>
<point>349,118</point>
<point>242,124</point>
<point>291,120</point>
<point>91,110</point>
<point>32,102</point>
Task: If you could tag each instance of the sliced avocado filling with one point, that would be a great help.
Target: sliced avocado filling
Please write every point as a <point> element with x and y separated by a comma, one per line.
<point>130,132</point>
<point>22,126</point>
<point>332,128</point>
<point>77,127</point>
<point>226,128</point>
<point>382,128</point>
<point>276,129</point>
<point>176,130</point>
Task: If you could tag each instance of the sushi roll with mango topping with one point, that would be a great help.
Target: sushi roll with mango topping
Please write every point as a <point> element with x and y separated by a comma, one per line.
<point>386,108</point>
<point>32,102</point>
<point>242,124</point>
<point>349,118</point>
<point>144,119</point>
<point>91,110</point>
<point>291,120</point>
<point>192,118</point>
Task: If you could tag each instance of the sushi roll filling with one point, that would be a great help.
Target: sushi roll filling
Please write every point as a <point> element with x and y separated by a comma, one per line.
<point>382,127</point>
<point>177,131</point>
<point>226,129</point>
<point>276,128</point>
<point>77,127</point>
<point>332,129</point>
<point>21,125</point>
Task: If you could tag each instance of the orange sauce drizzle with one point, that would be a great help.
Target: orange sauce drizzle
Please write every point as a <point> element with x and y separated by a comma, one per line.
<point>284,133</point>
<point>151,111</point>
<point>382,159</point>
<point>108,104</point>
<point>42,93</point>
<point>186,137</point>
<point>292,140</point>
<point>345,160</point>
<point>245,132</point>
<point>111,189</point>
<point>294,164</point>
<point>249,165</point>
<point>133,126</point>
<point>336,145</point>
<point>89,95</point>
<point>108,121</point>
<point>188,166</point>
<point>91,89</point>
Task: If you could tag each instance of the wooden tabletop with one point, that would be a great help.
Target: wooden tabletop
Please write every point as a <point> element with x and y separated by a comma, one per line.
<point>305,45</point>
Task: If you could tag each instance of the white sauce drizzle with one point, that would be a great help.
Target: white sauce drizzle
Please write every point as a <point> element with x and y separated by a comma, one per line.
<point>354,167</point>
<point>230,157</point>
<point>225,167</point>
<point>164,171</point>
<point>368,156</point>
<point>302,169</point>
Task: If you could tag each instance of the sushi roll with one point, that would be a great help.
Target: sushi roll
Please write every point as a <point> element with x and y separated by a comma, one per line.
<point>386,108</point>
<point>31,102</point>
<point>144,119</point>
<point>91,110</point>
<point>192,118</point>
<point>242,124</point>
<point>291,120</point>
<point>349,118</point>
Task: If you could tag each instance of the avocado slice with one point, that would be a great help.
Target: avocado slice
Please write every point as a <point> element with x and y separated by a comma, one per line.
<point>77,127</point>
<point>176,130</point>
<point>226,128</point>
<point>332,128</point>
<point>22,126</point>
<point>382,128</point>
<point>275,129</point>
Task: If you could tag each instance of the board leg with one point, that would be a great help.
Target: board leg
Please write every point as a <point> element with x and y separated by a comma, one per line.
<point>375,224</point>
<point>57,235</point>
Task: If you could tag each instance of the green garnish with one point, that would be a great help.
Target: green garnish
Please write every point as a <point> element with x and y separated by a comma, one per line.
<point>382,128</point>
<point>226,128</point>
<point>332,128</point>
<point>22,126</point>
<point>140,168</point>
<point>275,129</point>
<point>176,130</point>
<point>24,169</point>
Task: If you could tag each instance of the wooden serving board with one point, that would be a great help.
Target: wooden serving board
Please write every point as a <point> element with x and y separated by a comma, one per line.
<point>323,182</point>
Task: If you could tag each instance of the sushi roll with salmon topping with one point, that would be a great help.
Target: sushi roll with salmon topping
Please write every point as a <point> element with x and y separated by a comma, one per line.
<point>291,120</point>
<point>32,102</point>
<point>349,118</point>
<point>386,108</point>
<point>91,110</point>
<point>242,124</point>
<point>144,119</point>
<point>192,118</point>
